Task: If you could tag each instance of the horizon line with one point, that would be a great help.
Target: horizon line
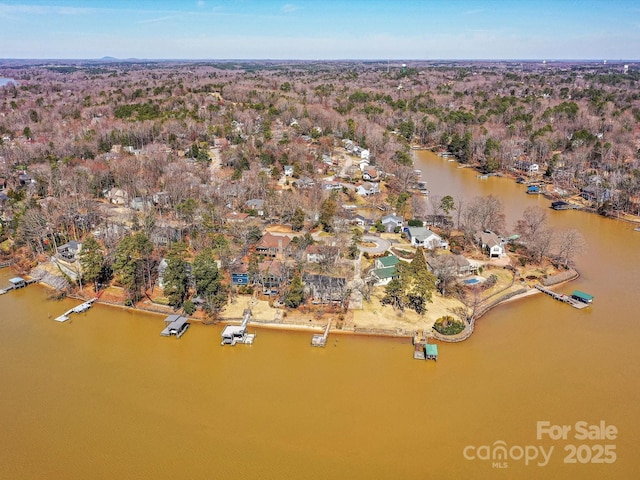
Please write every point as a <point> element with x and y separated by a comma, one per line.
<point>168,59</point>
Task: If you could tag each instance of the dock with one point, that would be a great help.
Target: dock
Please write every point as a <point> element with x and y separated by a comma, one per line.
<point>83,307</point>
<point>570,299</point>
<point>232,334</point>
<point>423,350</point>
<point>176,325</point>
<point>320,340</point>
<point>16,283</point>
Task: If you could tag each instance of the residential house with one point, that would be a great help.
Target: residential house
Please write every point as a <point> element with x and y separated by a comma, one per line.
<point>117,196</point>
<point>322,253</point>
<point>273,245</point>
<point>161,198</point>
<point>324,289</point>
<point>386,261</point>
<point>423,237</point>
<point>362,221</point>
<point>3,184</point>
<point>384,270</point>
<point>437,221</point>
<point>313,254</point>
<point>236,217</point>
<point>492,243</point>
<point>69,251</point>
<point>257,205</point>
<point>140,203</point>
<point>391,222</point>
<point>596,193</point>
<point>367,189</point>
<point>164,236</point>
<point>288,170</point>
<point>528,167</point>
<point>305,182</point>
<point>25,179</point>
<point>383,276</point>
<point>270,276</point>
<point>370,174</point>
<point>457,264</point>
<point>332,185</point>
<point>240,274</point>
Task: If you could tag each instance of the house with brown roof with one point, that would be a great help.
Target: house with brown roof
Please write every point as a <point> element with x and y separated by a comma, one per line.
<point>273,245</point>
<point>270,276</point>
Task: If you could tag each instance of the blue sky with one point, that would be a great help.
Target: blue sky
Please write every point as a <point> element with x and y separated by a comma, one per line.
<point>321,29</point>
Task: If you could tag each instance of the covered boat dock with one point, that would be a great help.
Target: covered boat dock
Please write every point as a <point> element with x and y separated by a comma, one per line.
<point>232,334</point>
<point>582,297</point>
<point>176,325</point>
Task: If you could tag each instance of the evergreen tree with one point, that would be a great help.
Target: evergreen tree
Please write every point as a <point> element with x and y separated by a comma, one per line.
<point>297,220</point>
<point>208,281</point>
<point>176,275</point>
<point>132,264</point>
<point>295,295</point>
<point>413,287</point>
<point>356,239</point>
<point>328,210</point>
<point>394,294</point>
<point>91,258</point>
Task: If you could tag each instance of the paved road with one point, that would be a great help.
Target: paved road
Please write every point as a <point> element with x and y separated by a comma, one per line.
<point>382,245</point>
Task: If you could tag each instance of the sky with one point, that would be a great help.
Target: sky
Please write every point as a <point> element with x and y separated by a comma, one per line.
<point>321,29</point>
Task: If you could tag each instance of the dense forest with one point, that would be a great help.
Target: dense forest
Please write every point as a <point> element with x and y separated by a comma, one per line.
<point>185,163</point>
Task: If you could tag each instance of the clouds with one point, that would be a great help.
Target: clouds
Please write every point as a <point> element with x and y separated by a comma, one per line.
<point>289,8</point>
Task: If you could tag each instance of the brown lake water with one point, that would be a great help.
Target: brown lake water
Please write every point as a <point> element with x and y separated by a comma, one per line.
<point>104,396</point>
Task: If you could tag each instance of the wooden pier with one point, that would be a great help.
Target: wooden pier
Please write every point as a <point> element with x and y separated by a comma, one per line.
<point>574,302</point>
<point>319,340</point>
<point>15,283</point>
<point>83,307</point>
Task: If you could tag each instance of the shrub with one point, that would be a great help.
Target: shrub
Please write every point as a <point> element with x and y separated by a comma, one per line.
<point>448,325</point>
<point>189,307</point>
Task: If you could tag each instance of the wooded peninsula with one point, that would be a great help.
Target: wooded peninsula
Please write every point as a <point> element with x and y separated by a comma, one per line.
<point>191,185</point>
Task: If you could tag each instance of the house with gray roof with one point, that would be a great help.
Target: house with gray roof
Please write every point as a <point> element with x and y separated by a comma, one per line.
<point>492,244</point>
<point>423,237</point>
<point>391,222</point>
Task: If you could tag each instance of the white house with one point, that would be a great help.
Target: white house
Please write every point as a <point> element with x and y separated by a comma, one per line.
<point>423,237</point>
<point>528,167</point>
<point>365,154</point>
<point>493,244</point>
<point>364,163</point>
<point>367,189</point>
<point>288,170</point>
<point>391,222</point>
